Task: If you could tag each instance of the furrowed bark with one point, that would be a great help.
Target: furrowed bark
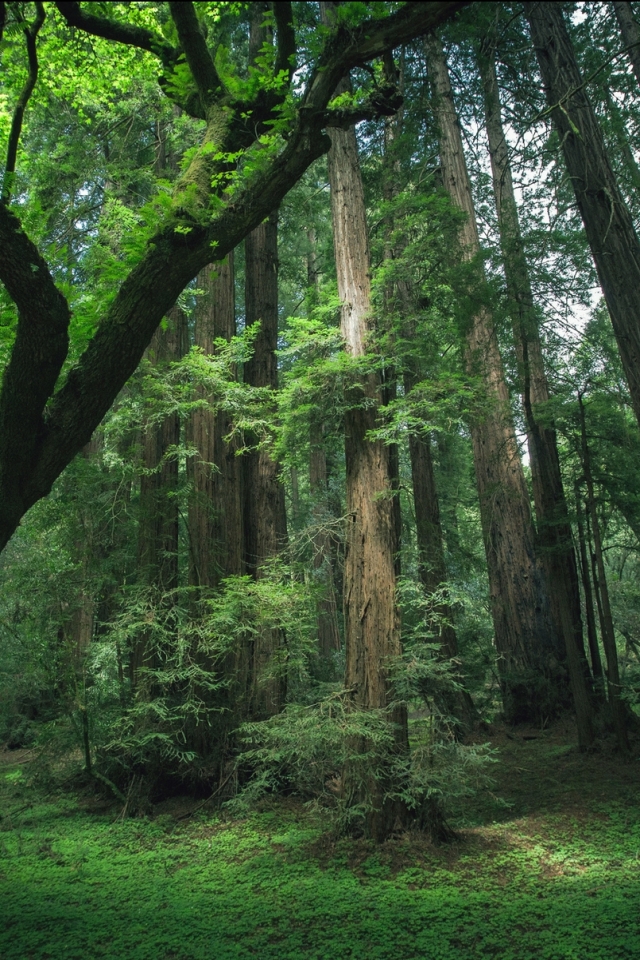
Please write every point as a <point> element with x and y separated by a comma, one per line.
<point>215,507</point>
<point>610,232</point>
<point>372,628</point>
<point>555,539</point>
<point>431,561</point>
<point>525,640</point>
<point>264,504</point>
<point>215,517</point>
<point>158,524</point>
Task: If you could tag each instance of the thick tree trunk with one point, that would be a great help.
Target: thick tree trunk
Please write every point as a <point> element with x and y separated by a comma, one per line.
<point>630,34</point>
<point>555,539</point>
<point>158,524</point>
<point>372,634</point>
<point>527,646</point>
<point>264,506</point>
<point>604,606</point>
<point>215,513</point>
<point>215,508</point>
<point>607,221</point>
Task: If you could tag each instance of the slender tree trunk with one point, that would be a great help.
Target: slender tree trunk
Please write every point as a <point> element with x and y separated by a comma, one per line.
<point>630,34</point>
<point>323,550</point>
<point>594,650</point>
<point>215,508</point>
<point>158,524</point>
<point>324,546</point>
<point>264,504</point>
<point>607,221</point>
<point>372,628</point>
<point>555,539</point>
<point>527,646</point>
<point>606,618</point>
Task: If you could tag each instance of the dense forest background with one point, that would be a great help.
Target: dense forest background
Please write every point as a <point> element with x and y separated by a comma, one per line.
<point>374,483</point>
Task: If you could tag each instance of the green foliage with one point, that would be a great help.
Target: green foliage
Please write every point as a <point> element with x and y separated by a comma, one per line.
<point>537,881</point>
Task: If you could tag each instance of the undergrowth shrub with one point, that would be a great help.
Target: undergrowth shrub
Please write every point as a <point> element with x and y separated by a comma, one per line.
<point>305,749</point>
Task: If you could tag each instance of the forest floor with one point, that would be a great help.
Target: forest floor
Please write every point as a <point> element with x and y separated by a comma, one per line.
<point>546,866</point>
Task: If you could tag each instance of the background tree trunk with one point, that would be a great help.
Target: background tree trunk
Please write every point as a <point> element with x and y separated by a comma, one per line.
<point>158,524</point>
<point>607,221</point>
<point>630,34</point>
<point>215,507</point>
<point>555,539</point>
<point>372,634</point>
<point>527,646</point>
<point>264,504</point>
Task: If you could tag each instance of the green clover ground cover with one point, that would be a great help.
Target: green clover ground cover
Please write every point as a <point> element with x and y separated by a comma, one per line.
<point>556,882</point>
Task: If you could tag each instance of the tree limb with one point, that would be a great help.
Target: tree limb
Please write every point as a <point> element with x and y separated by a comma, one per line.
<point>126,33</point>
<point>30,32</point>
<point>39,350</point>
<point>285,38</point>
<point>196,51</point>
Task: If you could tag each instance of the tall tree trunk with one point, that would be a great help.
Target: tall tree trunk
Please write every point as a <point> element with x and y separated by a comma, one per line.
<point>630,34</point>
<point>264,504</point>
<point>265,529</point>
<point>431,561</point>
<point>607,221</point>
<point>215,508</point>
<point>527,646</point>
<point>323,550</point>
<point>594,650</point>
<point>158,524</point>
<point>604,607</point>
<point>215,515</point>
<point>324,543</point>
<point>555,538</point>
<point>372,628</point>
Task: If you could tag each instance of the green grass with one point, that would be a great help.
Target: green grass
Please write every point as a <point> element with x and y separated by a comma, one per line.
<point>550,871</point>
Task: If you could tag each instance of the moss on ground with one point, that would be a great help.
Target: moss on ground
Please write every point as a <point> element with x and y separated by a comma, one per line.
<point>547,867</point>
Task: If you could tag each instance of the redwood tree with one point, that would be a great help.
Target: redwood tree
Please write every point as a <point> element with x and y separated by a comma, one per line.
<point>612,237</point>
<point>527,646</point>
<point>555,539</point>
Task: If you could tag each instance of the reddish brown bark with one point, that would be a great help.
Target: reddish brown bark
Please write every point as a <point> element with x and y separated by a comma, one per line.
<point>555,538</point>
<point>372,634</point>
<point>215,507</point>
<point>158,523</point>
<point>527,646</point>
<point>264,504</point>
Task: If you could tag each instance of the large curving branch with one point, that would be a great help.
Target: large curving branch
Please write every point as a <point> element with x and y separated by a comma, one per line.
<point>125,33</point>
<point>47,429</point>
<point>38,353</point>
